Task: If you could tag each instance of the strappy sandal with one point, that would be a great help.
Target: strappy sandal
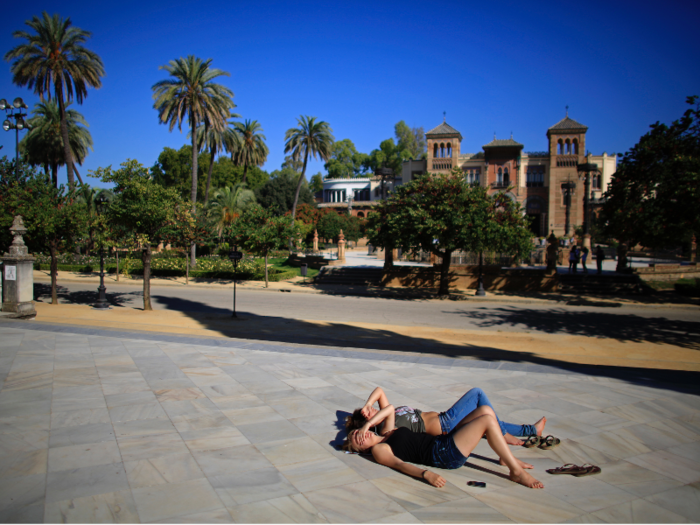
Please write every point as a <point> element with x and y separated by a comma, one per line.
<point>549,442</point>
<point>532,441</point>
<point>569,468</point>
<point>590,470</point>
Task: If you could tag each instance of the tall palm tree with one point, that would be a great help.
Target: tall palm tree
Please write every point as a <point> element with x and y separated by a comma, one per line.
<point>95,200</point>
<point>55,56</point>
<point>43,144</point>
<point>190,94</point>
<point>227,203</point>
<point>217,141</point>
<point>252,150</point>
<point>310,138</point>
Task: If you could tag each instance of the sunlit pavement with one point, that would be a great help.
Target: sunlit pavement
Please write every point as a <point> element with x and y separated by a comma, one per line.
<point>108,424</point>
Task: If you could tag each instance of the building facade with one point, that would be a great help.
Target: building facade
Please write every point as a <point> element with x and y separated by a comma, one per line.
<point>537,180</point>
<point>356,195</point>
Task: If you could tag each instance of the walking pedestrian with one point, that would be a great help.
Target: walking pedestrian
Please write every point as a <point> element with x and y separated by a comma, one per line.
<point>599,258</point>
<point>573,258</point>
<point>584,257</point>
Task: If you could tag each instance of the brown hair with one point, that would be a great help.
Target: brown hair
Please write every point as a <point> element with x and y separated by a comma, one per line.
<point>355,420</point>
<point>347,444</point>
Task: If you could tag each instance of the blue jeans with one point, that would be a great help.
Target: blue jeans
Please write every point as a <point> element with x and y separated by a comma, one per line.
<point>469,402</point>
<point>445,453</point>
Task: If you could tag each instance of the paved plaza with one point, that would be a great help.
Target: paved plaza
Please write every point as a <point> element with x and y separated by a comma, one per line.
<point>99,425</point>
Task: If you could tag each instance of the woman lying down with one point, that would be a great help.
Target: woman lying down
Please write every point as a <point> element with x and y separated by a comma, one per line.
<point>398,447</point>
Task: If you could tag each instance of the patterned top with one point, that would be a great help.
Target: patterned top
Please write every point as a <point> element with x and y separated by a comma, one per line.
<point>409,418</point>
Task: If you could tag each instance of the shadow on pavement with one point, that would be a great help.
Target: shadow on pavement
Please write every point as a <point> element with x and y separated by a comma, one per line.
<point>685,334</point>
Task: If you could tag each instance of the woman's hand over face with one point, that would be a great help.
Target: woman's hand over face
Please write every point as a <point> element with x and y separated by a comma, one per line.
<point>367,411</point>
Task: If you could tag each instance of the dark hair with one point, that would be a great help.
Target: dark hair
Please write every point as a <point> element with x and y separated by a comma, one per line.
<point>355,420</point>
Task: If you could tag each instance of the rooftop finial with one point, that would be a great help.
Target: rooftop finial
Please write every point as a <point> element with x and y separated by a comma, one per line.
<point>494,135</point>
<point>511,135</point>
<point>444,116</point>
<point>567,111</point>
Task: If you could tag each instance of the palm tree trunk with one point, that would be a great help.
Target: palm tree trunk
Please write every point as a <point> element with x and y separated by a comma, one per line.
<point>75,168</point>
<point>146,259</point>
<point>68,155</point>
<point>296,195</point>
<point>193,127</point>
<point>211,168</point>
<point>54,175</point>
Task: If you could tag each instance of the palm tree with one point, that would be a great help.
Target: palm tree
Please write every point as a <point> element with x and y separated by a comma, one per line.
<point>95,200</point>
<point>311,137</point>
<point>227,203</point>
<point>217,141</point>
<point>55,56</point>
<point>190,94</point>
<point>252,150</point>
<point>43,144</point>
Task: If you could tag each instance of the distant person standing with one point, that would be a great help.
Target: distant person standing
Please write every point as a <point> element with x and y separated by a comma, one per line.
<point>599,258</point>
<point>584,257</point>
<point>573,258</point>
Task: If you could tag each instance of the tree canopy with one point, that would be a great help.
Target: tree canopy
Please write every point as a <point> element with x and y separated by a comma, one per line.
<point>345,161</point>
<point>277,194</point>
<point>411,140</point>
<point>654,197</point>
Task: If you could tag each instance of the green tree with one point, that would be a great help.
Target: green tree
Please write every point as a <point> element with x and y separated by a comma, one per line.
<point>94,200</point>
<point>654,197</point>
<point>252,150</point>
<point>316,183</point>
<point>310,138</point>
<point>345,161</point>
<point>190,94</point>
<point>227,204</point>
<point>410,140</point>
<point>441,214</point>
<point>147,211</point>
<point>389,155</point>
<point>279,192</point>
<point>54,56</point>
<point>289,162</point>
<point>43,144</point>
<point>258,231</point>
<point>217,141</point>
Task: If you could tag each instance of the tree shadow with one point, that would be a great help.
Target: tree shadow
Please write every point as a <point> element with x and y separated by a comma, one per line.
<point>42,293</point>
<point>621,327</point>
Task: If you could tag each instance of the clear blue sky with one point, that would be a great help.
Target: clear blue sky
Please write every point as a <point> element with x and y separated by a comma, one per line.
<point>493,67</point>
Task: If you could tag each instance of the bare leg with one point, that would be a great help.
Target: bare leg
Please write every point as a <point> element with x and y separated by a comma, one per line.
<point>540,425</point>
<point>468,436</point>
<point>512,440</point>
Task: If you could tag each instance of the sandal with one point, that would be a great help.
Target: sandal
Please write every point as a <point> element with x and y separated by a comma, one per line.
<point>569,468</point>
<point>549,442</point>
<point>590,470</point>
<point>532,441</point>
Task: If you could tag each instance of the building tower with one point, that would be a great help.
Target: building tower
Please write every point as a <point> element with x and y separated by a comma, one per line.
<point>567,146</point>
<point>443,148</point>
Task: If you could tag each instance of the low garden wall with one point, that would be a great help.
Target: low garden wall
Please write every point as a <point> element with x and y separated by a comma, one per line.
<point>668,272</point>
<point>313,261</point>
<point>466,278</point>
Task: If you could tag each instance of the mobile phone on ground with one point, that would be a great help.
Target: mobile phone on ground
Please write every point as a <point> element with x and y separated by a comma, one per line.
<point>476,484</point>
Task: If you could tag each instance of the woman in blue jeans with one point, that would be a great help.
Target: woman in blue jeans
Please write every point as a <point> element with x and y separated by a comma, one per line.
<point>397,448</point>
<point>436,424</point>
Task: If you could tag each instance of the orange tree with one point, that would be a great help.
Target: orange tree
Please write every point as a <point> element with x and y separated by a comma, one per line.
<point>146,212</point>
<point>259,231</point>
<point>442,214</point>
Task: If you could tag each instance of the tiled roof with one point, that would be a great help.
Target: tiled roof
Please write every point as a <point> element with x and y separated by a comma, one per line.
<point>444,129</point>
<point>500,143</point>
<point>568,124</point>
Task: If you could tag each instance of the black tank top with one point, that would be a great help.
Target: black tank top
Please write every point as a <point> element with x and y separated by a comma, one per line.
<point>414,447</point>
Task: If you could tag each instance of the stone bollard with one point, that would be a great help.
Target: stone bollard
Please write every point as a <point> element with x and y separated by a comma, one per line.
<point>17,275</point>
<point>341,246</point>
<point>315,241</point>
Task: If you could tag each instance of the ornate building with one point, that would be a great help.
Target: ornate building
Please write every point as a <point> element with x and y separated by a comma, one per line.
<point>537,180</point>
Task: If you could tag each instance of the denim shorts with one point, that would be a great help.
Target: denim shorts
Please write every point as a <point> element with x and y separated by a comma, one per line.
<point>446,454</point>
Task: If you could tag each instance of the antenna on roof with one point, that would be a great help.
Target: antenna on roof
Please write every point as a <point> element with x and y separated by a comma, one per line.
<point>444,116</point>
<point>494,135</point>
<point>511,135</point>
<point>567,111</point>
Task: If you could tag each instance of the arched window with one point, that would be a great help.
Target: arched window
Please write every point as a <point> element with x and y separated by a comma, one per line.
<point>560,147</point>
<point>435,150</point>
<point>506,178</point>
<point>442,150</point>
<point>574,147</point>
<point>360,214</point>
<point>567,147</point>
<point>499,177</point>
<point>449,150</point>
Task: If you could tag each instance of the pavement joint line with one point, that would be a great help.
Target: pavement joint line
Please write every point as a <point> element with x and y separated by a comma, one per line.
<point>660,376</point>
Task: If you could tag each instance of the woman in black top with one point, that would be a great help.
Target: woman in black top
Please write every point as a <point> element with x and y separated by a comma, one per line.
<point>398,448</point>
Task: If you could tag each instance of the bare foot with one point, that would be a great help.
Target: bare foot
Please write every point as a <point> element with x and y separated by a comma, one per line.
<point>539,426</point>
<point>527,480</point>
<point>521,463</point>
<point>512,440</point>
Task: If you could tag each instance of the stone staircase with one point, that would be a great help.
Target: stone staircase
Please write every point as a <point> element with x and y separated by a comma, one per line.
<point>349,276</point>
<point>593,284</point>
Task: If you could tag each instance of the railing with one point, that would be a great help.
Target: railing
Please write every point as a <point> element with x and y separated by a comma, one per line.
<point>500,184</point>
<point>567,161</point>
<point>442,164</point>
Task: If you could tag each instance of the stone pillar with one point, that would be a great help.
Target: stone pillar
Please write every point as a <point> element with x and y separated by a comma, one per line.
<point>341,246</point>
<point>315,241</point>
<point>552,253</point>
<point>17,275</point>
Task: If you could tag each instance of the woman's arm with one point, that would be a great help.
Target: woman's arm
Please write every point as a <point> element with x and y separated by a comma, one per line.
<point>377,395</point>
<point>386,417</point>
<point>383,454</point>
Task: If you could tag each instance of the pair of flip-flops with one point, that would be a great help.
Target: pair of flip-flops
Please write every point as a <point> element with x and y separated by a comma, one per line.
<point>545,443</point>
<point>575,470</point>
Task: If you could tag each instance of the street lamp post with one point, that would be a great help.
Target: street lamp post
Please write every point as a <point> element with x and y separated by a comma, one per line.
<point>235,256</point>
<point>14,111</point>
<point>586,169</point>
<point>102,303</point>
<point>568,188</point>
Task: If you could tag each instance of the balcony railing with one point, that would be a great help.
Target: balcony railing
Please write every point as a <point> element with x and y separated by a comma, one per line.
<point>442,164</point>
<point>502,184</point>
<point>567,161</point>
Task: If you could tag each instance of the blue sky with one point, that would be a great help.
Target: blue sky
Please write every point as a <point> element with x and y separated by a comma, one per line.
<point>503,67</point>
